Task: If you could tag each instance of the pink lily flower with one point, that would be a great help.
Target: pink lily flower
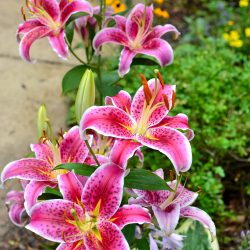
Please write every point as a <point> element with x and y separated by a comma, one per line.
<point>169,206</point>
<point>48,20</point>
<point>40,170</point>
<point>89,217</point>
<point>144,120</point>
<point>137,36</point>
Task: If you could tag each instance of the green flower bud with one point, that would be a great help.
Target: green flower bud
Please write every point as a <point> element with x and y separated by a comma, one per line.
<point>42,121</point>
<point>85,97</point>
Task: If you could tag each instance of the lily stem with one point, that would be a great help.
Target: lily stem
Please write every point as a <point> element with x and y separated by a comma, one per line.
<point>92,152</point>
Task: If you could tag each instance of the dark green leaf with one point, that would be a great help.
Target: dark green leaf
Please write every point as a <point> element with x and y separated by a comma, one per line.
<point>98,18</point>
<point>49,196</point>
<point>79,168</point>
<point>145,180</point>
<point>72,78</point>
<point>75,16</point>
<point>70,32</point>
<point>142,244</point>
<point>144,61</point>
<point>129,233</point>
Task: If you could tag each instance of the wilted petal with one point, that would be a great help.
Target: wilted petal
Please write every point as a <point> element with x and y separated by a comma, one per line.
<point>122,151</point>
<point>43,152</point>
<point>70,187</point>
<point>110,35</point>
<point>29,38</point>
<point>26,27</point>
<point>73,7</point>
<point>27,169</point>
<point>122,100</point>
<point>48,219</point>
<point>72,147</point>
<point>125,61</point>
<point>59,45</point>
<point>112,238</point>
<point>179,121</point>
<point>159,49</point>
<point>105,186</point>
<point>168,218</point>
<point>52,7</point>
<point>129,214</point>
<point>138,16</point>
<point>108,121</point>
<point>172,143</point>
<point>201,216</point>
<point>33,190</point>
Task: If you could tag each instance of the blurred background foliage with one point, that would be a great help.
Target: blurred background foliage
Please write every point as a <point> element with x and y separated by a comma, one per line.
<point>212,73</point>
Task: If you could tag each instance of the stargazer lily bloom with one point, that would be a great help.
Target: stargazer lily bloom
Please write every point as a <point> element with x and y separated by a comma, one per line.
<point>169,206</point>
<point>48,18</point>
<point>137,36</point>
<point>144,120</point>
<point>40,170</point>
<point>89,217</point>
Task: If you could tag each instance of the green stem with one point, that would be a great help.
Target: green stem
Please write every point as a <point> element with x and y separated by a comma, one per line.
<point>92,152</point>
<point>74,54</point>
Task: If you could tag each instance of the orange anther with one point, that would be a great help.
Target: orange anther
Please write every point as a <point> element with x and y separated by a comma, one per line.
<point>173,99</point>
<point>23,14</point>
<point>147,92</point>
<point>160,79</point>
<point>165,98</point>
<point>171,175</point>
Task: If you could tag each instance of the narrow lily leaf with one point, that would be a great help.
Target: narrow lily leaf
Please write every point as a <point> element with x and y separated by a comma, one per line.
<point>54,191</point>
<point>142,244</point>
<point>98,18</point>
<point>144,61</point>
<point>50,194</point>
<point>75,16</point>
<point>70,32</point>
<point>129,233</point>
<point>144,180</point>
<point>72,78</point>
<point>81,169</point>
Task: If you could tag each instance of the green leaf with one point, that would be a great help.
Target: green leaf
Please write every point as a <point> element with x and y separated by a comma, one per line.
<point>144,61</point>
<point>129,233</point>
<point>49,196</point>
<point>72,78</point>
<point>79,168</point>
<point>75,16</point>
<point>70,32</point>
<point>145,180</point>
<point>142,244</point>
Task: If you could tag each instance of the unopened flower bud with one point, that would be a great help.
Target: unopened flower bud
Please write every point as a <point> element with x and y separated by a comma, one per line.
<point>85,97</point>
<point>42,121</point>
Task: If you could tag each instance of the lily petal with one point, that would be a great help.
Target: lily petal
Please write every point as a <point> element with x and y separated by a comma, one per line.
<point>108,121</point>
<point>110,35</point>
<point>29,38</point>
<point>159,49</point>
<point>49,220</point>
<point>122,151</point>
<point>125,61</point>
<point>120,22</point>
<point>70,187</point>
<point>73,147</point>
<point>201,216</point>
<point>75,7</point>
<point>52,7</point>
<point>26,27</point>
<point>79,245</point>
<point>59,45</point>
<point>129,214</point>
<point>43,152</point>
<point>27,169</point>
<point>111,236</point>
<point>104,188</point>
<point>168,218</point>
<point>33,190</point>
<point>172,143</point>
<point>122,100</point>
<point>152,243</point>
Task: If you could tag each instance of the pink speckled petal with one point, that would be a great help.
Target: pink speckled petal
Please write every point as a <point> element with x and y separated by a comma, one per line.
<point>70,187</point>
<point>27,169</point>
<point>33,190</point>
<point>125,61</point>
<point>101,159</point>
<point>122,151</point>
<point>110,35</point>
<point>15,201</point>
<point>108,121</point>
<point>122,100</point>
<point>73,7</point>
<point>201,216</point>
<point>136,17</point>
<point>140,156</point>
<point>73,147</point>
<point>172,143</point>
<point>26,27</point>
<point>112,238</point>
<point>78,245</point>
<point>179,121</point>
<point>43,152</point>
<point>52,7</point>
<point>29,38</point>
<point>48,219</point>
<point>129,214</point>
<point>120,22</point>
<point>138,201</point>
<point>59,45</point>
<point>105,185</point>
<point>168,218</point>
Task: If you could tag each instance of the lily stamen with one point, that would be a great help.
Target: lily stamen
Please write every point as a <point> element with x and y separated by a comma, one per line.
<point>147,92</point>
<point>23,14</point>
<point>165,98</point>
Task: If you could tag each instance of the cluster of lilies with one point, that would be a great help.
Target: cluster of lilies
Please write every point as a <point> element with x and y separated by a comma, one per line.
<point>90,215</point>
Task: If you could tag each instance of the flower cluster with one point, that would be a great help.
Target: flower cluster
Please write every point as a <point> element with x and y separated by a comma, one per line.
<point>88,166</point>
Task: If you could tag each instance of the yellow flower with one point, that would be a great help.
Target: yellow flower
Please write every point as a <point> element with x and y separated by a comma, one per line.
<point>234,35</point>
<point>161,13</point>
<point>109,2</point>
<point>247,32</point>
<point>230,23</point>
<point>118,6</point>
<point>236,43</point>
<point>226,36</point>
<point>159,1</point>
<point>243,3</point>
